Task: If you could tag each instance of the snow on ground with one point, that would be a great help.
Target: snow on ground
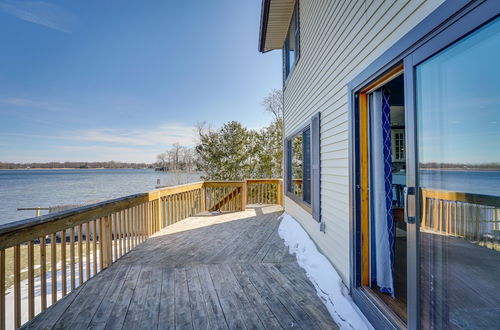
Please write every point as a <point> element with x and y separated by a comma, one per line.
<point>329,285</point>
<point>9,292</point>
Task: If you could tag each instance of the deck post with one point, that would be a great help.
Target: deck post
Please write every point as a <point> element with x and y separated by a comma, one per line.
<point>244,195</point>
<point>280,192</point>
<point>106,241</point>
<point>203,199</point>
<point>159,207</point>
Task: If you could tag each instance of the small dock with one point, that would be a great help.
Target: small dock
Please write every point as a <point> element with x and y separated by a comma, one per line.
<point>209,271</point>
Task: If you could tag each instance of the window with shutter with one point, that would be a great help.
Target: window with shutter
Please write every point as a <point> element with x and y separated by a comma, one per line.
<point>302,167</point>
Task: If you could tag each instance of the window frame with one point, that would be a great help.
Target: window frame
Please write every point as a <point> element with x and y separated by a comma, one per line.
<point>314,205</point>
<point>288,162</point>
<point>288,67</point>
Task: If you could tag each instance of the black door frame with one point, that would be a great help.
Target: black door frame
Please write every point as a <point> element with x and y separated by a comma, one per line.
<point>450,22</point>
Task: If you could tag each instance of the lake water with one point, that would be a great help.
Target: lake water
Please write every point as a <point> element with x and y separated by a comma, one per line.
<point>474,182</point>
<point>46,188</point>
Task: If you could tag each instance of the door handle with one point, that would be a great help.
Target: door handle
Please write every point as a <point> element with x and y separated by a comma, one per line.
<point>409,204</point>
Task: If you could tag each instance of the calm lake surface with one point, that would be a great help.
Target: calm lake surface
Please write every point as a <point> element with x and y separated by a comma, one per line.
<point>475,182</point>
<point>47,188</point>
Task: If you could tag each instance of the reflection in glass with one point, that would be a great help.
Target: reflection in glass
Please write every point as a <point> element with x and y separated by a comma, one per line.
<point>306,187</point>
<point>297,165</point>
<point>458,109</point>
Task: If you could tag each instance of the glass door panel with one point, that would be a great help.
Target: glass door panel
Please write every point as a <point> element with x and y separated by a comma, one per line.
<point>458,139</point>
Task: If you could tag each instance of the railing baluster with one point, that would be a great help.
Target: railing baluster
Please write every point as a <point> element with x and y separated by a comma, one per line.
<point>80,255</point>
<point>53,267</point>
<point>126,223</point>
<point>145,221</point>
<point>17,286</point>
<point>113,240</point>
<point>94,246</point>
<point>120,233</point>
<point>136,227</point>
<point>141,213</point>
<point>31,279</point>
<point>2,289</point>
<point>87,248</point>
<point>63,263</point>
<point>72,257</point>
<point>145,224</point>
<point>170,210</point>
<point>139,223</point>
<point>43,274</point>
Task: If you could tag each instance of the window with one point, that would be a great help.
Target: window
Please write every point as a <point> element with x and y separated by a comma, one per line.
<point>291,47</point>
<point>302,167</point>
<point>398,147</point>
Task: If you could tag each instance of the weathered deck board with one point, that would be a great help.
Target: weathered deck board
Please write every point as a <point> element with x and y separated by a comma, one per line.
<point>221,271</point>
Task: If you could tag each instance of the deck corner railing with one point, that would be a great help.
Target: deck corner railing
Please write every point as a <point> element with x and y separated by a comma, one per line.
<point>57,253</point>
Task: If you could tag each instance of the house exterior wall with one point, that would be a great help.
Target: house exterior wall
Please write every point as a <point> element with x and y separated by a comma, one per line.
<point>339,39</point>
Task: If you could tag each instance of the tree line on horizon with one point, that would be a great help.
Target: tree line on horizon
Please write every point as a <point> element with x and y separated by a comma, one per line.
<point>83,165</point>
<point>464,166</point>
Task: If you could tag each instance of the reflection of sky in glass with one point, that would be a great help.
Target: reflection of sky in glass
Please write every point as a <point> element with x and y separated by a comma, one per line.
<point>458,101</point>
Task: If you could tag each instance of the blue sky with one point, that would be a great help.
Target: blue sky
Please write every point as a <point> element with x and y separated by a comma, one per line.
<point>123,80</point>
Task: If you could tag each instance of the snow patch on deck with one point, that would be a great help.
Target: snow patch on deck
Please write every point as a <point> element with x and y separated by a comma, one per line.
<point>326,280</point>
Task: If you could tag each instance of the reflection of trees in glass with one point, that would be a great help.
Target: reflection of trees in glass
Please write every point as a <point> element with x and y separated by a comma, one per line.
<point>297,165</point>
<point>297,157</point>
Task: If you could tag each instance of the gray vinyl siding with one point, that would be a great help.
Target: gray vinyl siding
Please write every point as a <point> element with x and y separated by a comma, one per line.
<point>338,40</point>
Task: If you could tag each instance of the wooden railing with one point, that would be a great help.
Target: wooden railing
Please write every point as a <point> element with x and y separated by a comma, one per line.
<point>296,187</point>
<point>70,247</point>
<point>264,191</point>
<point>473,217</point>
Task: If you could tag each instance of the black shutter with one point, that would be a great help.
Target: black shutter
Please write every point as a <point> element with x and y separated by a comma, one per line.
<point>316,169</point>
<point>288,167</point>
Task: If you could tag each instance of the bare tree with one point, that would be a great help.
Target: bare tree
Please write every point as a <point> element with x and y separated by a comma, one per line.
<point>273,103</point>
<point>163,159</point>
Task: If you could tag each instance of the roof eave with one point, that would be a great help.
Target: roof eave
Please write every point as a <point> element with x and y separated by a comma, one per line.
<point>264,17</point>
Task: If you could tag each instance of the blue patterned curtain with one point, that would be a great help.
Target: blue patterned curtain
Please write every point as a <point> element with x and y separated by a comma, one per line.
<point>386,136</point>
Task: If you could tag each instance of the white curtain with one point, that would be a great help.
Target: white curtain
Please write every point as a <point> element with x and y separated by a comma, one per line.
<point>381,244</point>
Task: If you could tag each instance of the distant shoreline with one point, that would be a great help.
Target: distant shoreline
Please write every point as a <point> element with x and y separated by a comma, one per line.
<point>460,169</point>
<point>74,168</point>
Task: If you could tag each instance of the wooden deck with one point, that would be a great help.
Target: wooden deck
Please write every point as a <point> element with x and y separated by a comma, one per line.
<point>220,271</point>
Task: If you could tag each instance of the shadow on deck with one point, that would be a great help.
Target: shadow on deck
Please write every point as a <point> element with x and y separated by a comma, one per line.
<point>217,271</point>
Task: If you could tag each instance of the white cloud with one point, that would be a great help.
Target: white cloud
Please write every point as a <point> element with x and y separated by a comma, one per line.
<point>94,153</point>
<point>107,144</point>
<point>164,135</point>
<point>23,102</point>
<point>41,13</point>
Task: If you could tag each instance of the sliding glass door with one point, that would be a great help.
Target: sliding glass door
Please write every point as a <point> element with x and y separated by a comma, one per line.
<point>426,178</point>
<point>457,108</point>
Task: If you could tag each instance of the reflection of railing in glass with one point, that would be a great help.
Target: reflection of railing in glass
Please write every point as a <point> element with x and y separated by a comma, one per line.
<point>297,187</point>
<point>473,217</point>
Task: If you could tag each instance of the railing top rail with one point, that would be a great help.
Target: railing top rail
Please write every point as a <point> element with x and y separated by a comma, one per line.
<point>461,197</point>
<point>263,181</point>
<point>32,228</point>
<point>165,191</point>
<point>223,183</point>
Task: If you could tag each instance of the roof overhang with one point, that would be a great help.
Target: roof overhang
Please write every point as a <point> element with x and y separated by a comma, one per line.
<point>274,22</point>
